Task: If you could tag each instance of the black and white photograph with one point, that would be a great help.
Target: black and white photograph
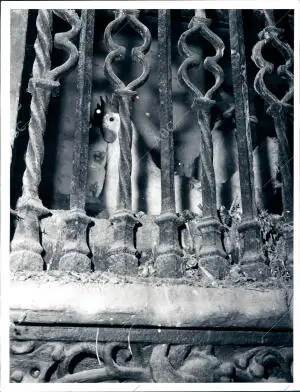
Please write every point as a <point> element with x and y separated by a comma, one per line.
<point>149,164</point>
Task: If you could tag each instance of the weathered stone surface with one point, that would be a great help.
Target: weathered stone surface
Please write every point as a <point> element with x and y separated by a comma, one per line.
<point>149,304</point>
<point>19,24</point>
<point>100,238</point>
<point>119,361</point>
<point>22,332</point>
<point>75,250</point>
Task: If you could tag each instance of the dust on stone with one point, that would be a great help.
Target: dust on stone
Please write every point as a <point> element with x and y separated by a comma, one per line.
<point>192,279</point>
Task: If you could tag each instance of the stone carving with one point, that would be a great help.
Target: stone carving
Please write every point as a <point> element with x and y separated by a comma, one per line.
<point>264,364</point>
<point>33,363</point>
<point>199,366</point>
<point>90,362</point>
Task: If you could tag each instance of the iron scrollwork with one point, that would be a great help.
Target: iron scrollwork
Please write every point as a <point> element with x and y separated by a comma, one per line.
<point>125,93</point>
<point>122,255</point>
<point>212,253</point>
<point>281,111</point>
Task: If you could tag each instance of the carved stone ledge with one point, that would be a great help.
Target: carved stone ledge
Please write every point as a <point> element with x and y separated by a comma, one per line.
<point>119,362</point>
<point>168,305</point>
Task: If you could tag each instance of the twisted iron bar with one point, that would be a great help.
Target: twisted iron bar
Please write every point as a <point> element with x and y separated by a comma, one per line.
<point>41,85</point>
<point>26,248</point>
<point>279,109</point>
<point>125,93</point>
<point>212,255</point>
<point>39,102</point>
<point>203,102</point>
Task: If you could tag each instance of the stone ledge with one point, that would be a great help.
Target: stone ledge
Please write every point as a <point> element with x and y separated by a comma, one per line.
<point>178,306</point>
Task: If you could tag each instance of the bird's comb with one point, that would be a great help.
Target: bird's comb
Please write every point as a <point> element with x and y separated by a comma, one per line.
<point>108,104</point>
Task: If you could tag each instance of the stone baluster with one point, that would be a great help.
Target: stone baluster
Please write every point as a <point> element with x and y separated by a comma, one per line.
<point>169,259</point>
<point>249,229</point>
<point>121,256</point>
<point>212,255</point>
<point>280,110</point>
<point>76,250</point>
<point>26,249</point>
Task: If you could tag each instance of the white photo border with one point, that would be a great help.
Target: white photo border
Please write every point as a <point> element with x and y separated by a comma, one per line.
<point>6,6</point>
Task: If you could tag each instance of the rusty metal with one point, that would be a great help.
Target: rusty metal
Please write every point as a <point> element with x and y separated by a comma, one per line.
<point>76,250</point>
<point>26,248</point>
<point>203,102</point>
<point>126,93</point>
<point>83,108</point>
<point>280,109</point>
<point>122,254</point>
<point>166,112</point>
<point>169,262</point>
<point>242,113</point>
<point>249,228</point>
<point>212,253</point>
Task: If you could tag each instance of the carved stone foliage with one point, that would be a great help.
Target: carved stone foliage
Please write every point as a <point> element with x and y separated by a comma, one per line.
<point>33,361</point>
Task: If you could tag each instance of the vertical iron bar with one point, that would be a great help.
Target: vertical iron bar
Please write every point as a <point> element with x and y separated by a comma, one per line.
<point>83,104</point>
<point>249,228</point>
<point>75,248</point>
<point>169,261</point>
<point>242,115</point>
<point>166,114</point>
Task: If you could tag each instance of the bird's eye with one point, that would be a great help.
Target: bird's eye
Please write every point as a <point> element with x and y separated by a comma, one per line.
<point>98,111</point>
<point>111,119</point>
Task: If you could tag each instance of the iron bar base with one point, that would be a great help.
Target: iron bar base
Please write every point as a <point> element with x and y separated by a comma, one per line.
<point>121,257</point>
<point>169,260</point>
<point>251,259</point>
<point>212,255</point>
<point>76,250</point>
<point>26,249</point>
